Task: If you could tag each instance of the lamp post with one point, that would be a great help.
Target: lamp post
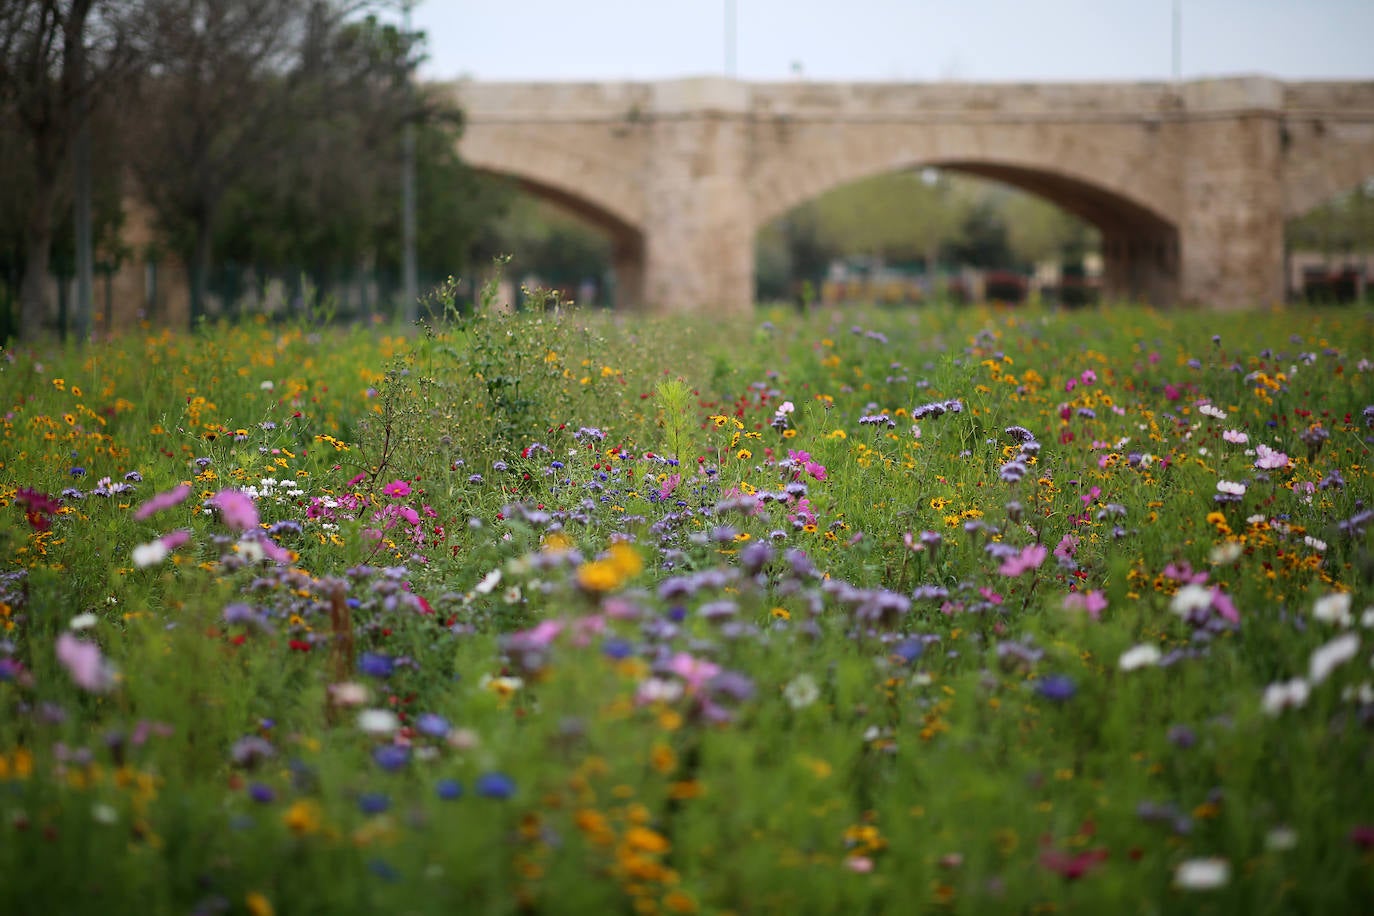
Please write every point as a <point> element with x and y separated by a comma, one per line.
<point>1178,41</point>
<point>730,38</point>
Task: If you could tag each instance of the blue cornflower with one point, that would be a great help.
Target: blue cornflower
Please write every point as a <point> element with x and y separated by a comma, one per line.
<point>374,664</point>
<point>494,785</point>
<point>391,757</point>
<point>373,802</point>
<point>262,793</point>
<point>448,789</point>
<point>432,724</point>
<point>1057,687</point>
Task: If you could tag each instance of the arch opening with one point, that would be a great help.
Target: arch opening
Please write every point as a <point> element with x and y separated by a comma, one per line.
<point>589,253</point>
<point>1329,250</point>
<point>1138,247</point>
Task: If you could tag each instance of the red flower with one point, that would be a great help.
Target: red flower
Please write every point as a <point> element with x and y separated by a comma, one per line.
<point>1074,866</point>
<point>37,507</point>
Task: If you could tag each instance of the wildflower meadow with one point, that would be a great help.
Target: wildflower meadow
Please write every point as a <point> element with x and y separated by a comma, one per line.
<point>886,611</point>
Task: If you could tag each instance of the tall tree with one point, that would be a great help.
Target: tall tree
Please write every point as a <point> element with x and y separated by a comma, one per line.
<point>56,58</point>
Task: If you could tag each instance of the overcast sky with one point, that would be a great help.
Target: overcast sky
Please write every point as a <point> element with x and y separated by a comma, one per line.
<point>915,40</point>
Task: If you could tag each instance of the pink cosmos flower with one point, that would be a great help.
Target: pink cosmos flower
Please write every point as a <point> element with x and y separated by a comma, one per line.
<point>84,663</point>
<point>174,539</point>
<point>695,671</point>
<point>669,485</point>
<point>160,501</point>
<point>236,509</point>
<point>1093,602</point>
<point>1268,459</point>
<point>815,470</point>
<point>1068,545</point>
<point>396,489</point>
<point>1029,558</point>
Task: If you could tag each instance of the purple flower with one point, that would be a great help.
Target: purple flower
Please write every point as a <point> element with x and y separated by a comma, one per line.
<point>431,724</point>
<point>262,793</point>
<point>391,757</point>
<point>494,785</point>
<point>1057,687</point>
<point>376,665</point>
<point>373,802</point>
<point>448,789</point>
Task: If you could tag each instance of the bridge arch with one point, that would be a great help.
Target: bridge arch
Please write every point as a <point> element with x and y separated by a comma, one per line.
<point>1133,201</point>
<point>597,189</point>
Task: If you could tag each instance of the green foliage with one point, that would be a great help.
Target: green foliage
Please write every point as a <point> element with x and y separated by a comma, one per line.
<point>683,648</point>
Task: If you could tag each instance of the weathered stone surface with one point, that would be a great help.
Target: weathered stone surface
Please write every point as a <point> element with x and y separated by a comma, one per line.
<point>1190,183</point>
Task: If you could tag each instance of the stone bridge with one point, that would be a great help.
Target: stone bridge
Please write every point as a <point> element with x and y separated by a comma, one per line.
<point>1190,184</point>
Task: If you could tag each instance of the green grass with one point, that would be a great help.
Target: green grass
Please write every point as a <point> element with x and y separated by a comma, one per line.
<point>672,664</point>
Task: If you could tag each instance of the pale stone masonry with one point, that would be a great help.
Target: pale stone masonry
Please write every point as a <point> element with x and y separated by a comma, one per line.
<point>1189,183</point>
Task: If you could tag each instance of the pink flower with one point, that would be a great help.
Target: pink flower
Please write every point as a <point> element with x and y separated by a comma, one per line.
<point>1268,459</point>
<point>161,501</point>
<point>1093,602</point>
<point>1068,545</point>
<point>1172,393</point>
<point>1029,558</point>
<point>1088,376</point>
<point>84,663</point>
<point>236,509</point>
<point>355,480</point>
<point>174,539</point>
<point>1223,605</point>
<point>695,671</point>
<point>815,470</point>
<point>669,485</point>
<point>396,489</point>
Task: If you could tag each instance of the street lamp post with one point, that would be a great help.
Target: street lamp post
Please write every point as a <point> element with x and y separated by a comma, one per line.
<point>730,38</point>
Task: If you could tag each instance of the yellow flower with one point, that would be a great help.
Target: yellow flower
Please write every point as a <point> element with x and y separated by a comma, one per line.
<point>258,905</point>
<point>744,454</point>
<point>663,758</point>
<point>302,818</point>
<point>621,564</point>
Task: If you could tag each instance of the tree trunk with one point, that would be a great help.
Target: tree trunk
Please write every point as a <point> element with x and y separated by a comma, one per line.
<point>33,289</point>
<point>199,269</point>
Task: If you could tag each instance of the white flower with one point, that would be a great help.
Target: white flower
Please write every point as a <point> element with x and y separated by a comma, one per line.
<point>1230,488</point>
<point>1333,608</point>
<point>1235,436</point>
<point>1192,597</point>
<point>82,621</point>
<point>1280,696</point>
<point>1225,554</point>
<point>1281,839</point>
<point>1212,410</point>
<point>1315,543</point>
<point>378,721</point>
<point>250,551</point>
<point>801,691</point>
<point>150,554</point>
<point>349,693</point>
<point>1367,618</point>
<point>1363,694</point>
<point>512,595</point>
<point>1202,874</point>
<point>785,408</point>
<point>104,814</point>
<point>1141,656</point>
<point>658,690</point>
<point>267,385</point>
<point>1331,656</point>
<point>488,583</point>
